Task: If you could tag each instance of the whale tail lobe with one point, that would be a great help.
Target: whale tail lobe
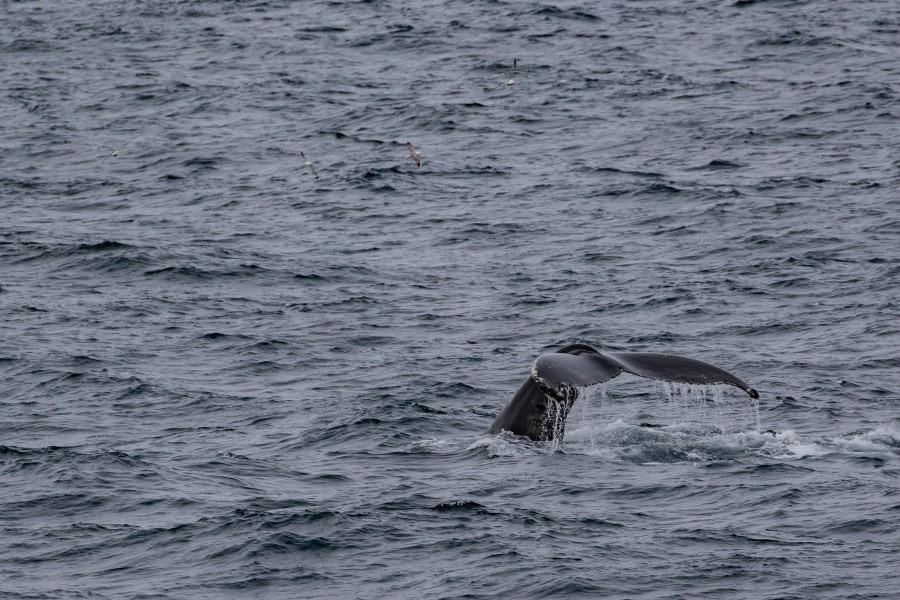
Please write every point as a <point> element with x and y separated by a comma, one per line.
<point>555,372</point>
<point>556,377</point>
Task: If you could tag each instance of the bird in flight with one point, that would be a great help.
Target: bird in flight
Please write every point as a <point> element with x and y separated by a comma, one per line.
<point>509,79</point>
<point>309,164</point>
<point>115,152</point>
<point>414,154</point>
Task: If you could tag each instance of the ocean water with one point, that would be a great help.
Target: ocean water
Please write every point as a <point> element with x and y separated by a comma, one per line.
<point>221,377</point>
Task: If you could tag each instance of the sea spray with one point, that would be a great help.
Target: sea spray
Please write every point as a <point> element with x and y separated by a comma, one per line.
<point>558,421</point>
<point>709,402</point>
<point>590,403</point>
<point>554,422</point>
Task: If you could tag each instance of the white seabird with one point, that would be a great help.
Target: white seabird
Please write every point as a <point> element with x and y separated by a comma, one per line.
<point>116,151</point>
<point>309,164</point>
<point>510,80</point>
<point>414,154</point>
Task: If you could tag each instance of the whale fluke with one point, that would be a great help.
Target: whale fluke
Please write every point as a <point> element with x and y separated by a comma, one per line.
<point>539,408</point>
<point>553,372</point>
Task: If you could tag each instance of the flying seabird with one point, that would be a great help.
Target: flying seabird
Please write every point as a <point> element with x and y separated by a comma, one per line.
<point>116,151</point>
<point>510,80</point>
<point>414,154</point>
<point>306,162</point>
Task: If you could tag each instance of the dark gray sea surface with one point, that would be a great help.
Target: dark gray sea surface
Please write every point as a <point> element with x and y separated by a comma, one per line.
<point>221,377</point>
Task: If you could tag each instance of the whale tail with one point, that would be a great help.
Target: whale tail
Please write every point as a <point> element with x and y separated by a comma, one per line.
<point>555,372</point>
<point>556,377</point>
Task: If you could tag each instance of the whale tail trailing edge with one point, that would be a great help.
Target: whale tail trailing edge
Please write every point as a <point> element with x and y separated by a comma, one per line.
<point>556,377</point>
<point>555,373</point>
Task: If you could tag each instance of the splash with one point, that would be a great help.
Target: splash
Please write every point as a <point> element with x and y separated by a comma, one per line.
<point>555,421</point>
<point>430,445</point>
<point>688,422</point>
<point>697,401</point>
<point>683,442</point>
<point>881,442</point>
<point>497,446</point>
<point>692,422</point>
<point>787,445</point>
<point>591,401</point>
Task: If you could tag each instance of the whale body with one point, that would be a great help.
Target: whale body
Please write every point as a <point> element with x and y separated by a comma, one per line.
<point>540,407</point>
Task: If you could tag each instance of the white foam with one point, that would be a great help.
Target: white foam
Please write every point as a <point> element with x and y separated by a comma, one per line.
<point>503,444</point>
<point>690,441</point>
<point>432,445</point>
<point>789,446</point>
<point>685,441</point>
<point>881,442</point>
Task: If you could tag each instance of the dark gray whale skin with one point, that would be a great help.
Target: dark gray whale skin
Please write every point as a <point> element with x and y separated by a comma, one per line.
<point>540,407</point>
